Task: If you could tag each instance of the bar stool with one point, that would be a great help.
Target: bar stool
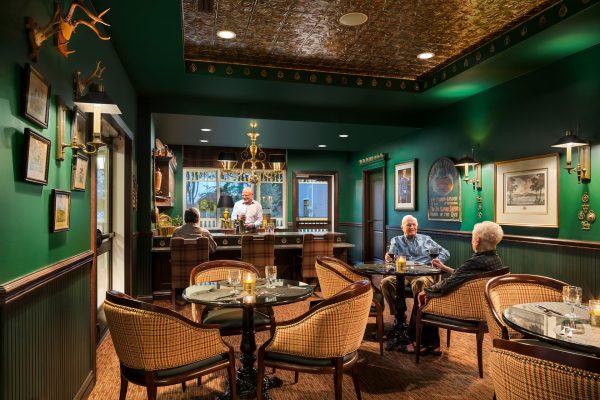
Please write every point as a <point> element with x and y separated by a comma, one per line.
<point>259,251</point>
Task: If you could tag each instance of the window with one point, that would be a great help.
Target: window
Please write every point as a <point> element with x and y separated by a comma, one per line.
<point>203,186</point>
<point>315,201</point>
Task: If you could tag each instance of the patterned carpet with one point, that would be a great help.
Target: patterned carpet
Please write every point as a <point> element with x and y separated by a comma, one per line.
<point>391,376</point>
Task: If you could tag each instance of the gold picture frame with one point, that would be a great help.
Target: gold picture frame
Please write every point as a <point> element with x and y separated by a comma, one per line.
<point>527,191</point>
<point>35,97</point>
<point>61,210</point>
<point>405,186</point>
<point>79,172</point>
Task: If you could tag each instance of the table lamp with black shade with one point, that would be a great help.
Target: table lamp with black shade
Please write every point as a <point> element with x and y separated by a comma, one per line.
<point>225,201</point>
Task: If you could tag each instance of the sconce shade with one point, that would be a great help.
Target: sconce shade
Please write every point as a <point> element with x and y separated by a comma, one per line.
<point>96,100</point>
<point>466,161</point>
<point>225,156</point>
<point>277,158</point>
<point>569,140</point>
<point>225,200</point>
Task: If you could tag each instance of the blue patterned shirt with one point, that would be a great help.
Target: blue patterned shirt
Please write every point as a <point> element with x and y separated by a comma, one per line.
<point>417,249</point>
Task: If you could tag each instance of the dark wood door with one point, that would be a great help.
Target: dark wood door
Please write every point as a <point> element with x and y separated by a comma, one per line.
<point>374,214</point>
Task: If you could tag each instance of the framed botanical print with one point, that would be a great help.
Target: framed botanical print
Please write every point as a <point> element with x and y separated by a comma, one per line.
<point>79,126</point>
<point>36,157</point>
<point>527,191</point>
<point>35,97</point>
<point>405,189</point>
<point>79,172</point>
<point>443,192</point>
<point>61,210</point>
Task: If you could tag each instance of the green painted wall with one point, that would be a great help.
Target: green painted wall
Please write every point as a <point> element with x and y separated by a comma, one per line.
<point>27,243</point>
<point>518,119</point>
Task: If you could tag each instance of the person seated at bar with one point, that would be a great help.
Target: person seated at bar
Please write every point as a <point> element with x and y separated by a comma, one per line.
<point>484,240</point>
<point>415,247</point>
<point>248,210</point>
<point>191,229</point>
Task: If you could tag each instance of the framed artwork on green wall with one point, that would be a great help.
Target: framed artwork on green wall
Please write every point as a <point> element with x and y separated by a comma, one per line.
<point>405,189</point>
<point>443,191</point>
<point>36,157</point>
<point>79,172</point>
<point>36,97</point>
<point>61,210</point>
<point>527,191</point>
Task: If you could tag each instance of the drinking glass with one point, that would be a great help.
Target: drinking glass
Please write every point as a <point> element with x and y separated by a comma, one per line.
<point>270,274</point>
<point>434,252</point>
<point>572,296</point>
<point>234,277</point>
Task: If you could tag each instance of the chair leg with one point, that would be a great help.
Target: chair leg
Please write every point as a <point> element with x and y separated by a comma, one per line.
<point>479,336</point>
<point>232,382</point>
<point>448,337</point>
<point>418,340</point>
<point>124,384</point>
<point>296,376</point>
<point>379,321</point>
<point>150,386</point>
<point>183,387</point>
<point>173,296</point>
<point>338,377</point>
<point>199,381</point>
<point>355,380</point>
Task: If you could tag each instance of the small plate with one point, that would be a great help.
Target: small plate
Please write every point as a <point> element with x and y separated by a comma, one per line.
<point>413,263</point>
<point>197,289</point>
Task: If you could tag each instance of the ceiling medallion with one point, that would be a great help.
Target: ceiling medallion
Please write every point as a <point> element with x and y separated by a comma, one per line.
<point>229,70</point>
<point>193,67</point>
<point>388,84</point>
<point>359,82</point>
<point>297,76</point>
<point>313,78</point>
<point>328,79</point>
<point>247,71</point>
<point>211,69</point>
<point>353,19</point>
<point>280,74</point>
<point>562,11</point>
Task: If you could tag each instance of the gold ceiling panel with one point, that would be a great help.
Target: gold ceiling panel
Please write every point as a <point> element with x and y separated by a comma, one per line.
<point>307,35</point>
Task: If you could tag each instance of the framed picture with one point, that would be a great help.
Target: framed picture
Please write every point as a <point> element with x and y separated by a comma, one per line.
<point>36,97</point>
<point>79,126</point>
<point>405,189</point>
<point>527,191</point>
<point>443,192</point>
<point>62,112</point>
<point>36,157</point>
<point>61,210</point>
<point>79,172</point>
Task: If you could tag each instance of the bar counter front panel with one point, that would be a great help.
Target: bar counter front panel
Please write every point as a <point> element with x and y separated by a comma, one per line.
<point>288,245</point>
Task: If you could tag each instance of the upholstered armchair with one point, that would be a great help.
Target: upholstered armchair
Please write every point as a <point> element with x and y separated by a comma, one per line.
<point>525,370</point>
<point>229,319</point>
<point>460,310</point>
<point>325,340</point>
<point>159,347</point>
<point>505,291</point>
<point>334,275</point>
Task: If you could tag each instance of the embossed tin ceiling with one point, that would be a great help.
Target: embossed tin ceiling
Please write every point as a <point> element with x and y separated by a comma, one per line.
<point>307,35</point>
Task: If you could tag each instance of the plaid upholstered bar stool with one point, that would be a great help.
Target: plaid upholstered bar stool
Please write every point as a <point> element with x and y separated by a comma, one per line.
<point>185,255</point>
<point>313,247</point>
<point>524,370</point>
<point>159,347</point>
<point>312,342</point>
<point>259,251</point>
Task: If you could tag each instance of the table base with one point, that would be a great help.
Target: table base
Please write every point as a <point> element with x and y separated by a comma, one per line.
<point>246,385</point>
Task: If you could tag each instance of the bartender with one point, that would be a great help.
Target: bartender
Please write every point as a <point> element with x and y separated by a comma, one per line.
<point>248,210</point>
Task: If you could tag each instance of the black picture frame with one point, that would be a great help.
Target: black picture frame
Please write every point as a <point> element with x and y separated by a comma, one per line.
<point>79,172</point>
<point>61,210</point>
<point>79,126</point>
<point>35,97</point>
<point>36,157</point>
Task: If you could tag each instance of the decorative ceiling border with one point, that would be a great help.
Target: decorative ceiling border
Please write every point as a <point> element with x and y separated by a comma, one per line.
<point>545,19</point>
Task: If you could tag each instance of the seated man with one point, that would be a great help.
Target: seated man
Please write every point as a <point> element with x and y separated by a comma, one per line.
<point>415,247</point>
<point>485,237</point>
<point>192,230</point>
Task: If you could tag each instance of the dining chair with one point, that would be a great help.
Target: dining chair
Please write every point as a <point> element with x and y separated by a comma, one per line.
<point>185,255</point>
<point>334,275</point>
<point>229,319</point>
<point>259,251</point>
<point>312,247</point>
<point>160,347</point>
<point>324,340</point>
<point>505,291</point>
<point>462,309</point>
<point>522,370</point>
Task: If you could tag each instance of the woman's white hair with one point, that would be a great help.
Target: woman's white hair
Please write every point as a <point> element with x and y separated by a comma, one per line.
<point>489,235</point>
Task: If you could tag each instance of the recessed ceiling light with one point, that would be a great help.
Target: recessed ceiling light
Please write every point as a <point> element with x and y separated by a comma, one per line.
<point>343,135</point>
<point>322,145</point>
<point>425,55</point>
<point>226,34</point>
<point>353,19</point>
<point>206,129</point>
<point>203,141</point>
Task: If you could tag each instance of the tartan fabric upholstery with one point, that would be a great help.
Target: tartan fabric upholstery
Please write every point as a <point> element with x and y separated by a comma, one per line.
<point>150,341</point>
<point>331,331</point>
<point>312,247</point>
<point>330,282</point>
<point>259,251</point>
<point>343,269</point>
<point>467,302</point>
<point>185,255</point>
<point>518,376</point>
<point>509,294</point>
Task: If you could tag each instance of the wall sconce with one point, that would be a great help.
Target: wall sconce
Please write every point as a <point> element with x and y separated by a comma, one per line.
<point>582,169</point>
<point>469,162</point>
<point>277,162</point>
<point>96,102</point>
<point>228,161</point>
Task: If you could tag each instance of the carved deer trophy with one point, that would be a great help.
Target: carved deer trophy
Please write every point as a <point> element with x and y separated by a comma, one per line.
<point>63,27</point>
<point>81,84</point>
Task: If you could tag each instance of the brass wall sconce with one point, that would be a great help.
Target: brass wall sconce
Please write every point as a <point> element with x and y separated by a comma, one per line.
<point>228,161</point>
<point>61,27</point>
<point>468,163</point>
<point>582,169</point>
<point>96,102</point>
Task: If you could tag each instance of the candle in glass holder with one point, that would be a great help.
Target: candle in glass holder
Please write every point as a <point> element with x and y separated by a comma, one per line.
<point>594,312</point>
<point>248,299</point>
<point>249,283</point>
<point>400,263</point>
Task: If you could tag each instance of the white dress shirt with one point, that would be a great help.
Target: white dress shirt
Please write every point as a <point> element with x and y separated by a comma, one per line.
<point>253,212</point>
